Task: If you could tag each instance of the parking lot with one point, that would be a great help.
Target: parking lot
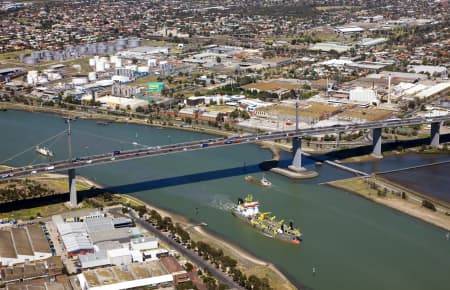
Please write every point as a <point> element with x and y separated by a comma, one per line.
<point>58,247</point>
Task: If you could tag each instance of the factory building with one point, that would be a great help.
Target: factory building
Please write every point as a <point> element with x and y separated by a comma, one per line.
<point>20,245</point>
<point>39,270</point>
<point>79,237</point>
<point>428,69</point>
<point>145,243</point>
<point>119,90</point>
<point>364,96</point>
<point>164,273</point>
<point>122,103</point>
<point>348,30</point>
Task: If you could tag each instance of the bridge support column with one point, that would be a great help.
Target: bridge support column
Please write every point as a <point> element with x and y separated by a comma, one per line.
<point>72,187</point>
<point>297,155</point>
<point>434,137</point>
<point>376,142</point>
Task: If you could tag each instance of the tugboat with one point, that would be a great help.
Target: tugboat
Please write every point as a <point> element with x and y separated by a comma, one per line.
<point>44,151</point>
<point>247,210</point>
<point>263,181</point>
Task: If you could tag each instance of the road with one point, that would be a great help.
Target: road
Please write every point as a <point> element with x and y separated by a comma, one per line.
<point>206,144</point>
<point>191,255</point>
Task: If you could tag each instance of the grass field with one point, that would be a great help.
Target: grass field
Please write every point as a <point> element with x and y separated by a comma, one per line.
<point>366,114</point>
<point>272,85</point>
<point>43,211</point>
<point>331,8</point>
<point>13,55</point>
<point>311,110</point>
<point>143,81</point>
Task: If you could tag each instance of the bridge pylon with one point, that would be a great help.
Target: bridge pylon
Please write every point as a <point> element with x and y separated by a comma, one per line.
<point>376,142</point>
<point>297,154</point>
<point>72,187</point>
<point>435,135</point>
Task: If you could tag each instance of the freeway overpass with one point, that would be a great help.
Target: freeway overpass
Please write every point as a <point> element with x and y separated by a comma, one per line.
<point>296,136</point>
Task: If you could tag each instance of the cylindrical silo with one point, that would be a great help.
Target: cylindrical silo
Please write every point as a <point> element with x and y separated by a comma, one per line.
<point>122,41</point>
<point>92,76</point>
<point>135,42</point>
<point>30,60</point>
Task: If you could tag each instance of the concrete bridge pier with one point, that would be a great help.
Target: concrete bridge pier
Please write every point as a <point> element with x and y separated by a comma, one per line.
<point>297,155</point>
<point>434,136</point>
<point>73,188</point>
<point>376,142</point>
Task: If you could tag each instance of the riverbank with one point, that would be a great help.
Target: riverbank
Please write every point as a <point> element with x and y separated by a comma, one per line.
<point>110,118</point>
<point>247,263</point>
<point>55,185</point>
<point>408,203</point>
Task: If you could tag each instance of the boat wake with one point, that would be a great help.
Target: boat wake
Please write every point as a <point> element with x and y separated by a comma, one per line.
<point>222,205</point>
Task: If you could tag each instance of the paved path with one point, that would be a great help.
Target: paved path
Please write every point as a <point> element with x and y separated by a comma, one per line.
<point>191,255</point>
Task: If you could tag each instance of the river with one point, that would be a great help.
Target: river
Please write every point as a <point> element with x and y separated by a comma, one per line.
<point>351,242</point>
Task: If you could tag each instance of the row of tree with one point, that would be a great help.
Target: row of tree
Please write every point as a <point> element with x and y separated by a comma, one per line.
<point>213,255</point>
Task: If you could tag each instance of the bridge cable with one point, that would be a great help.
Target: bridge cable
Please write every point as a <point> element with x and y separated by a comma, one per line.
<point>57,138</point>
<point>32,147</point>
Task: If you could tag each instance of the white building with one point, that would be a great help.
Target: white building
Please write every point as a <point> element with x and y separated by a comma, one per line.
<point>120,256</point>
<point>431,69</point>
<point>364,96</point>
<point>329,46</point>
<point>122,103</point>
<point>348,30</point>
<point>145,243</point>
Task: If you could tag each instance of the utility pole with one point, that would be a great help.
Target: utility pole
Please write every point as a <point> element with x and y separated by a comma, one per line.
<point>296,114</point>
<point>69,138</point>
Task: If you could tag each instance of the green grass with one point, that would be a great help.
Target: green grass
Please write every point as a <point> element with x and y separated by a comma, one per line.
<point>43,211</point>
<point>143,81</point>
<point>357,185</point>
<point>13,55</point>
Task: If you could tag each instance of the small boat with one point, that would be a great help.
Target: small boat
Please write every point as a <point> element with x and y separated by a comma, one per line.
<point>44,151</point>
<point>135,143</point>
<point>265,182</point>
<point>103,123</point>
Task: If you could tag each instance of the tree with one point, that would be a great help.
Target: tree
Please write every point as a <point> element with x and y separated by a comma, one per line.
<point>218,59</point>
<point>428,204</point>
<point>188,267</point>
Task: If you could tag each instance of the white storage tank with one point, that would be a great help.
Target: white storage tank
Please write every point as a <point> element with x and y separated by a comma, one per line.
<point>363,95</point>
<point>32,77</point>
<point>132,67</point>
<point>134,42</point>
<point>118,62</point>
<point>99,66</point>
<point>54,76</point>
<point>92,76</point>
<point>42,79</point>
<point>81,80</point>
<point>143,69</point>
<point>120,79</point>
